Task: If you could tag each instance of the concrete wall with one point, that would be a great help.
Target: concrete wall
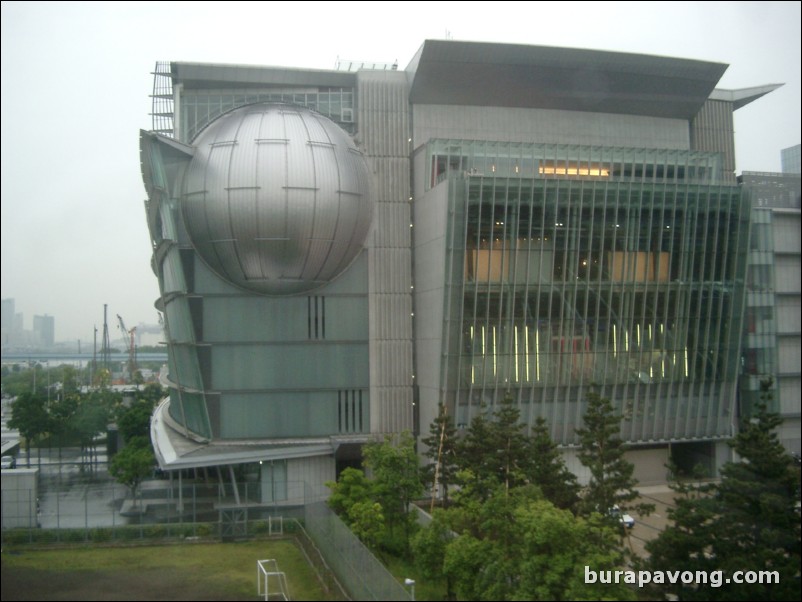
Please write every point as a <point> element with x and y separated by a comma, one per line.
<point>383,132</point>
<point>310,472</point>
<point>431,214</point>
<point>649,465</point>
<point>713,130</point>
<point>788,289</point>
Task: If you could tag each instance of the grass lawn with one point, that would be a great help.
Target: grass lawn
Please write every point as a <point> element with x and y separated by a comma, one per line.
<point>186,571</point>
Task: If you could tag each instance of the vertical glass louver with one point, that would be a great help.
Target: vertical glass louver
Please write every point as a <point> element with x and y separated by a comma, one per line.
<point>573,267</point>
<point>760,333</point>
<point>187,406</point>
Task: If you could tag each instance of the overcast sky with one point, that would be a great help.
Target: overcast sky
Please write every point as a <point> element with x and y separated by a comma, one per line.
<point>76,78</point>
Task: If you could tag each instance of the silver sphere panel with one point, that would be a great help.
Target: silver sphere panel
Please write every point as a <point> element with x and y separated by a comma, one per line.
<point>276,199</point>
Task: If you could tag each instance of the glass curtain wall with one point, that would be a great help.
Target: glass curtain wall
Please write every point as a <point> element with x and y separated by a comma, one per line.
<point>590,267</point>
<point>201,107</point>
<point>759,359</point>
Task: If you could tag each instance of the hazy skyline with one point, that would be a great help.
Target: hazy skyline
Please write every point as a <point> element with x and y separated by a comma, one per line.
<point>76,78</point>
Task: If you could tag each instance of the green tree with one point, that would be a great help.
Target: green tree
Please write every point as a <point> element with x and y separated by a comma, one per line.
<point>748,521</point>
<point>90,419</point>
<point>366,520</point>
<point>70,380</point>
<point>30,417</point>
<point>556,547</point>
<point>476,471</point>
<point>61,412</point>
<point>496,450</point>
<point>134,420</point>
<point>352,488</point>
<point>547,469</point>
<point>353,499</point>
<point>429,548</point>
<point>396,482</point>
<point>466,563</point>
<point>611,475</point>
<point>518,546</point>
<point>16,380</point>
<point>152,392</point>
<point>441,451</point>
<point>133,464</point>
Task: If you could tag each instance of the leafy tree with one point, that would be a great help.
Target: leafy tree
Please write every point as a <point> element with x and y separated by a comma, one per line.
<point>518,546</point>
<point>555,548</point>
<point>61,412</point>
<point>748,521</point>
<point>602,451</point>
<point>441,451</point>
<point>353,499</point>
<point>429,548</point>
<point>366,520</point>
<point>90,419</point>
<point>465,564</point>
<point>351,488</point>
<point>70,380</point>
<point>548,471</point>
<point>396,482</point>
<point>134,421</point>
<point>17,381</point>
<point>30,418</point>
<point>133,464</point>
<point>152,392</point>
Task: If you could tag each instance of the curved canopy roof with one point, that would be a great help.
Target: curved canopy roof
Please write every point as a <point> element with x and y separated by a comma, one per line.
<point>514,75</point>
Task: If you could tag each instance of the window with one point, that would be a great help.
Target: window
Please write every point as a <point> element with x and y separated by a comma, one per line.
<point>274,480</point>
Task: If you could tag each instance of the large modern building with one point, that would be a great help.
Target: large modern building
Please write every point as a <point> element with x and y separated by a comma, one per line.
<point>341,251</point>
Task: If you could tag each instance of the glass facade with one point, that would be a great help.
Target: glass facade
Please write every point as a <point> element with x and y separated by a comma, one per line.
<point>571,267</point>
<point>759,359</point>
<point>198,108</point>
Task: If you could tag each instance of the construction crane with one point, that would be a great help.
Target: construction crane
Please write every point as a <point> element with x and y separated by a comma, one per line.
<point>130,336</point>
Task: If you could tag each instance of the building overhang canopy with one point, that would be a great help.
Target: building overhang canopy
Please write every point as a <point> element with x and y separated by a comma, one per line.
<point>743,96</point>
<point>208,76</point>
<point>175,451</point>
<point>512,75</point>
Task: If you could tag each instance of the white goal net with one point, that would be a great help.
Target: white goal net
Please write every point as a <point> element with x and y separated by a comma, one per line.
<point>270,582</point>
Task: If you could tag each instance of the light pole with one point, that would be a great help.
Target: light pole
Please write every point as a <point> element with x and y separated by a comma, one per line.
<point>411,584</point>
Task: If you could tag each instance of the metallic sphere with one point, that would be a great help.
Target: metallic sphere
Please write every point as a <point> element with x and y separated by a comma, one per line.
<point>276,199</point>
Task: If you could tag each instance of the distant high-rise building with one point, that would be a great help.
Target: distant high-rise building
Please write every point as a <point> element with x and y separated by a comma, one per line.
<point>340,252</point>
<point>44,330</point>
<point>791,158</point>
<point>7,321</point>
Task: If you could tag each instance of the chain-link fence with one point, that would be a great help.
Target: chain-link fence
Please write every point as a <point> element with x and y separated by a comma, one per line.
<point>357,568</point>
<point>64,505</point>
<point>94,509</point>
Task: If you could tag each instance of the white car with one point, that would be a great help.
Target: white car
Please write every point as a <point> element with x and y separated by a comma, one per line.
<point>8,462</point>
<point>625,518</point>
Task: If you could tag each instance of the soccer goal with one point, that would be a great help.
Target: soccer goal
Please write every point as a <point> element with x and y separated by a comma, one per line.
<point>270,582</point>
